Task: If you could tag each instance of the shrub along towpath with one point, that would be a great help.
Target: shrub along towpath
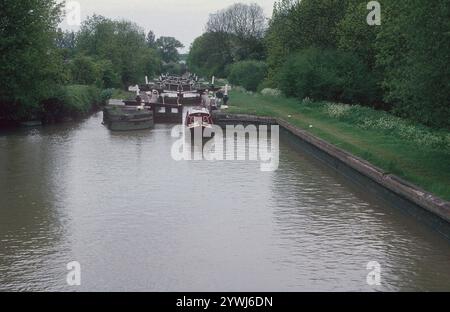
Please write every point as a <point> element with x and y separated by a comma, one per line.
<point>411,151</point>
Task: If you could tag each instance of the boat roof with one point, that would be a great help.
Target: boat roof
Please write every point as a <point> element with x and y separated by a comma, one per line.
<point>198,110</point>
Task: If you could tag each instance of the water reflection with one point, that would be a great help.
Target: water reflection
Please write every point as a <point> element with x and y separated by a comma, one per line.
<point>137,220</point>
<point>336,228</point>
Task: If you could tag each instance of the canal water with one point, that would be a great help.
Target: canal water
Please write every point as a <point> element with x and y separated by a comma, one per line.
<point>137,220</point>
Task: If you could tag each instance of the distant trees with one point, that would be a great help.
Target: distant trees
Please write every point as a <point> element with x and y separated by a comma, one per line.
<point>151,39</point>
<point>40,63</point>
<point>325,49</point>
<point>168,49</point>
<point>248,74</point>
<point>210,54</point>
<point>242,20</point>
<point>232,35</point>
<point>122,44</point>
<point>88,71</point>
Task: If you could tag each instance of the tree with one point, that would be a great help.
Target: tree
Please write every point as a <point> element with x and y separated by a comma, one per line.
<point>151,39</point>
<point>242,20</point>
<point>122,43</point>
<point>30,65</point>
<point>86,70</point>
<point>355,35</point>
<point>233,34</point>
<point>65,40</point>
<point>243,26</point>
<point>248,74</point>
<point>168,49</point>
<point>298,25</point>
<point>326,75</point>
<point>412,50</point>
<point>210,54</point>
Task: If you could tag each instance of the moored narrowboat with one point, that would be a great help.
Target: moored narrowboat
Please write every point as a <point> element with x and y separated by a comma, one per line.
<point>198,117</point>
<point>127,118</point>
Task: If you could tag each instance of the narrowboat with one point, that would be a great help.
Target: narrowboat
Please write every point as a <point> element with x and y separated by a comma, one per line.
<point>127,117</point>
<point>198,117</point>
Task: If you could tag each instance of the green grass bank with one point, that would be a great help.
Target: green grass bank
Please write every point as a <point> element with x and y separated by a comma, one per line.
<point>416,153</point>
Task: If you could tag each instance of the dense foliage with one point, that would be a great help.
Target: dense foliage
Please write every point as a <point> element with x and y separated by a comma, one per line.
<point>71,101</point>
<point>232,35</point>
<point>168,49</point>
<point>325,49</point>
<point>406,58</point>
<point>322,49</point>
<point>51,74</point>
<point>119,53</point>
<point>413,52</point>
<point>30,64</point>
<point>326,75</point>
<point>248,74</point>
<point>210,54</point>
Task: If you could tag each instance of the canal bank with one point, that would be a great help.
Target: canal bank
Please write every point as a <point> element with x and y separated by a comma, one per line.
<point>411,199</point>
<point>409,150</point>
<point>67,104</point>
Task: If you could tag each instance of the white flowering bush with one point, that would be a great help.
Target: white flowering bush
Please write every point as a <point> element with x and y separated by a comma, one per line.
<point>337,110</point>
<point>367,118</point>
<point>270,92</point>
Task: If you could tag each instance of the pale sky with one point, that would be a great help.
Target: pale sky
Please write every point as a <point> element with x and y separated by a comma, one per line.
<point>182,19</point>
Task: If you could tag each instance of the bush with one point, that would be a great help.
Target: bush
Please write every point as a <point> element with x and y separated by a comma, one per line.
<point>270,92</point>
<point>248,74</point>
<point>78,100</point>
<point>327,75</point>
<point>106,94</point>
<point>71,101</point>
<point>87,71</point>
<point>266,84</point>
<point>173,68</point>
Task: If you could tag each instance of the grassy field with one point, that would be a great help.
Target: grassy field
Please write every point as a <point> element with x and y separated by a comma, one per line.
<point>416,153</point>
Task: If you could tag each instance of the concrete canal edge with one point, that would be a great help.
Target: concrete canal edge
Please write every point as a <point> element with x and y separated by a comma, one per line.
<point>423,205</point>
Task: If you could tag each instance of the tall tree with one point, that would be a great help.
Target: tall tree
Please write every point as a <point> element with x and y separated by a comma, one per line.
<point>242,20</point>
<point>244,27</point>
<point>355,35</point>
<point>122,43</point>
<point>151,39</point>
<point>168,49</point>
<point>210,54</point>
<point>233,34</point>
<point>413,49</point>
<point>297,25</point>
<point>30,65</point>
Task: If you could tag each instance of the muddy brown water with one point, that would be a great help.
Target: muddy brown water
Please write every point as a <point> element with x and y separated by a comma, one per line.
<point>137,220</point>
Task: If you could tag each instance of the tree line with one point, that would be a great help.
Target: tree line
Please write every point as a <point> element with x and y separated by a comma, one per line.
<point>326,50</point>
<point>40,63</point>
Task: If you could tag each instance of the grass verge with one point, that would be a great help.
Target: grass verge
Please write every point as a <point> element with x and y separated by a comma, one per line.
<point>416,153</point>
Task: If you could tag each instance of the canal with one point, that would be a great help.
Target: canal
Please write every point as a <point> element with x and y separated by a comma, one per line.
<point>137,220</point>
